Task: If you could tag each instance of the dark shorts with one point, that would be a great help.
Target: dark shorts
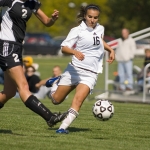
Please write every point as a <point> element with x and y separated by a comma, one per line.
<point>10,54</point>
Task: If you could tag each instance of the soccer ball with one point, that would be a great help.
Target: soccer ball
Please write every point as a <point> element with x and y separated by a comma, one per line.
<point>103,110</point>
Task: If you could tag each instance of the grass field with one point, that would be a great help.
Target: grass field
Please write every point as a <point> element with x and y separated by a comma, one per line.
<point>21,129</point>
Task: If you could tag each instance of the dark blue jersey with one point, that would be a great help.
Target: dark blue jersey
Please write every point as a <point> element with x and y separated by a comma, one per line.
<point>14,15</point>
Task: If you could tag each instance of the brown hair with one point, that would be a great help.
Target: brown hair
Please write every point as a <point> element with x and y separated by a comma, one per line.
<point>83,11</point>
<point>30,67</point>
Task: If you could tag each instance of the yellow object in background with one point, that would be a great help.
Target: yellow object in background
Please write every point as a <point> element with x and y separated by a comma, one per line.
<point>126,82</point>
<point>28,61</point>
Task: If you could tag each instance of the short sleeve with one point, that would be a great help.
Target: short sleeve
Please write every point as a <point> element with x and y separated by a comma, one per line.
<point>71,38</point>
<point>35,5</point>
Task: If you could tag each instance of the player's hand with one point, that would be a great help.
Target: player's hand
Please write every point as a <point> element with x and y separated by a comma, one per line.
<point>55,15</point>
<point>111,57</point>
<point>78,55</point>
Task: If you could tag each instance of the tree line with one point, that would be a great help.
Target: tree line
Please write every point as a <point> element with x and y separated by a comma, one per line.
<point>116,14</point>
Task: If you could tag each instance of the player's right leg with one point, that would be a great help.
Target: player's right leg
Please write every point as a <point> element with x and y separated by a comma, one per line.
<point>9,90</point>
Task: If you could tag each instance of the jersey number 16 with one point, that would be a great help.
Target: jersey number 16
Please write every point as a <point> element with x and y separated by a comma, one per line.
<point>96,40</point>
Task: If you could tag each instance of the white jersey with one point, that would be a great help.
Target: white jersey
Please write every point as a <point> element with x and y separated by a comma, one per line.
<point>88,41</point>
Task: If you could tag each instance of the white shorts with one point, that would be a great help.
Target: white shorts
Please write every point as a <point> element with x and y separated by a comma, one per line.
<point>74,75</point>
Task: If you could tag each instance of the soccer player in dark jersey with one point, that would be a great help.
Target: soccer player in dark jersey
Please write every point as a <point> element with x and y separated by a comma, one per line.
<point>14,15</point>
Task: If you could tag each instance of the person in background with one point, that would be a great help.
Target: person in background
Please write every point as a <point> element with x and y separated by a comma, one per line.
<point>140,76</point>
<point>32,79</point>
<point>87,60</point>
<point>43,90</point>
<point>15,14</point>
<point>125,53</point>
<point>28,61</point>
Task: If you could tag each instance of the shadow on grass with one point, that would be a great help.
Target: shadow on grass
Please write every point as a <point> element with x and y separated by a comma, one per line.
<point>73,129</point>
<point>9,132</point>
<point>6,131</point>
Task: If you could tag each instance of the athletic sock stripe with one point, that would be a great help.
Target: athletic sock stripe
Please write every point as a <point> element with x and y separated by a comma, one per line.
<point>71,110</point>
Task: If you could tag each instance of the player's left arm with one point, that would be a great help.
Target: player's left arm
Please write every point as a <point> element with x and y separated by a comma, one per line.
<point>45,19</point>
<point>111,52</point>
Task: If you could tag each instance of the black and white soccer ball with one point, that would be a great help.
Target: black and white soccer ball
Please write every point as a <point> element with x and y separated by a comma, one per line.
<point>103,110</point>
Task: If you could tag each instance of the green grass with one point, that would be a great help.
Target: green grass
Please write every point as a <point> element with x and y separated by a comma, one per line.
<point>129,128</point>
<point>21,129</point>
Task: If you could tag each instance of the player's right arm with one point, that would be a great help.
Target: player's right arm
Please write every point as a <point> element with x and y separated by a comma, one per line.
<point>70,51</point>
<point>69,42</point>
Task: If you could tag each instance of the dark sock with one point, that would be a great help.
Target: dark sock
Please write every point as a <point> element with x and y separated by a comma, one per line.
<point>1,105</point>
<point>36,106</point>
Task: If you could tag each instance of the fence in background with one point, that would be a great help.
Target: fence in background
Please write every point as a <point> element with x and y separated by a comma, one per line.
<point>136,36</point>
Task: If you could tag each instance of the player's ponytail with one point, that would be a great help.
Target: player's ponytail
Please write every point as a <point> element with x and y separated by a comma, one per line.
<point>81,14</point>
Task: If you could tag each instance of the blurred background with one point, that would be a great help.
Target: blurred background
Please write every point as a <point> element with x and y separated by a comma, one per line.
<point>115,15</point>
<point>43,44</point>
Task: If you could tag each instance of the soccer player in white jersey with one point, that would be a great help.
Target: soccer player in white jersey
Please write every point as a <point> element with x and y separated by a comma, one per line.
<point>82,72</point>
<point>14,16</point>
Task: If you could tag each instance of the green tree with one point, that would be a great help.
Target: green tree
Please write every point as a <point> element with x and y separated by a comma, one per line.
<point>67,17</point>
<point>133,14</point>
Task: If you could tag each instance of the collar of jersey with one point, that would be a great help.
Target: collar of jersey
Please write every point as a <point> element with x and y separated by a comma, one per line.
<point>84,26</point>
<point>19,1</point>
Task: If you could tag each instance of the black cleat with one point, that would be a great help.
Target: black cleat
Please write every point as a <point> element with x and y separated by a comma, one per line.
<point>57,117</point>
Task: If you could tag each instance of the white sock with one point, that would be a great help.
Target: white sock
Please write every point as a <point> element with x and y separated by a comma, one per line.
<point>54,88</point>
<point>72,115</point>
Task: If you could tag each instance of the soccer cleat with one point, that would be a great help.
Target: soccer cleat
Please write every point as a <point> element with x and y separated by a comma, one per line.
<point>62,131</point>
<point>49,83</point>
<point>57,117</point>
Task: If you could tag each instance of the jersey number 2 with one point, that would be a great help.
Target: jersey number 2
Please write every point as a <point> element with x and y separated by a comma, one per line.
<point>96,40</point>
<point>15,57</point>
<point>24,13</point>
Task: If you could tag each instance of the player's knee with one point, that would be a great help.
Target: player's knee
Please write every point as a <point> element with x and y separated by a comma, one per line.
<point>54,100</point>
<point>1,105</point>
<point>55,103</point>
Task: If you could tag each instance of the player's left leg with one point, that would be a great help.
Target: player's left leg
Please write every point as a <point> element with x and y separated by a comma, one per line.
<point>82,92</point>
<point>17,76</point>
